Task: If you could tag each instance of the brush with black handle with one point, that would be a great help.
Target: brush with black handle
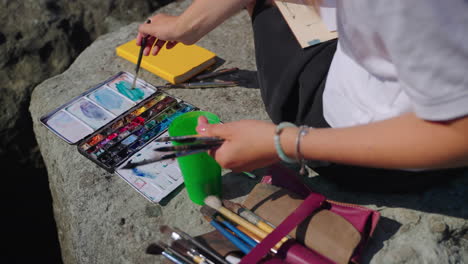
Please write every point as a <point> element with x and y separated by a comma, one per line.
<point>140,56</point>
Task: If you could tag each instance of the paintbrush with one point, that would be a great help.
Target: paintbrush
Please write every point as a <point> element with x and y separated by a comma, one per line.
<point>154,249</point>
<point>173,258</point>
<point>131,165</point>
<point>215,203</point>
<point>204,146</point>
<point>140,56</point>
<point>255,238</point>
<point>185,246</point>
<point>177,234</point>
<point>159,248</point>
<point>233,259</point>
<point>189,139</point>
<point>201,85</point>
<point>175,252</point>
<point>215,73</point>
<point>234,240</point>
<point>251,217</point>
<point>211,214</point>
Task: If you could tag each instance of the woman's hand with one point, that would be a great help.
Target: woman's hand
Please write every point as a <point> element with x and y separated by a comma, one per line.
<point>248,144</point>
<point>196,21</point>
<point>161,29</point>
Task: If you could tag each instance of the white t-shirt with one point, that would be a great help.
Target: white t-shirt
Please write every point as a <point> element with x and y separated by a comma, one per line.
<point>398,56</point>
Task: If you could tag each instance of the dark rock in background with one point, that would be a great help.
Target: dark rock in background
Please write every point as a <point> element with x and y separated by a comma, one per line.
<point>40,39</point>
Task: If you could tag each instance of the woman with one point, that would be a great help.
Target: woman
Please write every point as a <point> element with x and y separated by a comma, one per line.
<point>388,108</point>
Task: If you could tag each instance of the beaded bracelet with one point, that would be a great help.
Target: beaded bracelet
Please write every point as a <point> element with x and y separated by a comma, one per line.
<point>279,150</point>
<point>303,130</point>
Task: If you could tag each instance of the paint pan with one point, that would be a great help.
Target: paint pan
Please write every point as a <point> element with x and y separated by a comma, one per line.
<point>112,126</point>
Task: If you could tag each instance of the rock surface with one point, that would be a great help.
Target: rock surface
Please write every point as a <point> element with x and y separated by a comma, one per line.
<point>39,39</point>
<point>101,219</point>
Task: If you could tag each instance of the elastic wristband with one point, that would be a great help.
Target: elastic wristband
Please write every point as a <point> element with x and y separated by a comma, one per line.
<point>279,150</point>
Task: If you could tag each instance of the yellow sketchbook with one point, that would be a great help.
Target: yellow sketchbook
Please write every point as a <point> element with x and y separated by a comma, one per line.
<point>174,65</point>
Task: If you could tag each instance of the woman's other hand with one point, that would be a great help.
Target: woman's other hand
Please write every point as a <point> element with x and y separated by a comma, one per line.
<point>248,144</point>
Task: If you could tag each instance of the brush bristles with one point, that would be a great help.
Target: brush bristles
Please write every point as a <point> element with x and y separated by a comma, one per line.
<point>232,206</point>
<point>207,211</point>
<point>154,249</point>
<point>213,202</point>
<point>165,229</point>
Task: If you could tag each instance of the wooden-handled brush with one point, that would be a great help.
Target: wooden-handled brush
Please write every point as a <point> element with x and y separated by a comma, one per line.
<point>215,203</point>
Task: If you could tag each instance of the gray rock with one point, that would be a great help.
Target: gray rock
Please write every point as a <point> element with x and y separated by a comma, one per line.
<point>39,39</point>
<point>102,220</point>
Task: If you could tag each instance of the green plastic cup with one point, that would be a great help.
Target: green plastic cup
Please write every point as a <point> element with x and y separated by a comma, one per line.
<point>202,174</point>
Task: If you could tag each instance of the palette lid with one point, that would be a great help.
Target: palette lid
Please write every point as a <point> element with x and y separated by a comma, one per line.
<point>96,107</point>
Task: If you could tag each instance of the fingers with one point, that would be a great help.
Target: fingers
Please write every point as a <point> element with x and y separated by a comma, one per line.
<point>149,45</point>
<point>154,50</point>
<point>161,29</point>
<point>139,38</point>
<point>158,46</point>
<point>171,44</point>
<point>145,29</point>
<point>212,152</point>
<point>212,130</point>
<point>202,124</point>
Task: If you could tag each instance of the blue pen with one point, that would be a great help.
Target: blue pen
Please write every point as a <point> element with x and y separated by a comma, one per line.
<point>239,233</point>
<point>235,240</point>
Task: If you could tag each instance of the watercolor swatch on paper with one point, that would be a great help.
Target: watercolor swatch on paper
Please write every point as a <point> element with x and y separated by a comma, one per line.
<point>154,180</point>
<point>123,86</point>
<point>111,101</point>
<point>90,113</point>
<point>68,127</point>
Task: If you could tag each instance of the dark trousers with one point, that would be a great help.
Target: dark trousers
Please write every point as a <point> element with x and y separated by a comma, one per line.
<point>292,81</point>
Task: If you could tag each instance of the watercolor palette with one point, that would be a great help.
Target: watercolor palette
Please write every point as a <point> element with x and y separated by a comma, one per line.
<point>112,124</point>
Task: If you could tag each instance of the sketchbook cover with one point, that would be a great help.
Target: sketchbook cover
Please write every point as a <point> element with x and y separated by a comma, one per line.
<point>174,65</point>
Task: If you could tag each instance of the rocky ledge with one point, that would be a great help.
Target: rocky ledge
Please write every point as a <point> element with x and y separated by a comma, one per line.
<point>100,219</point>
